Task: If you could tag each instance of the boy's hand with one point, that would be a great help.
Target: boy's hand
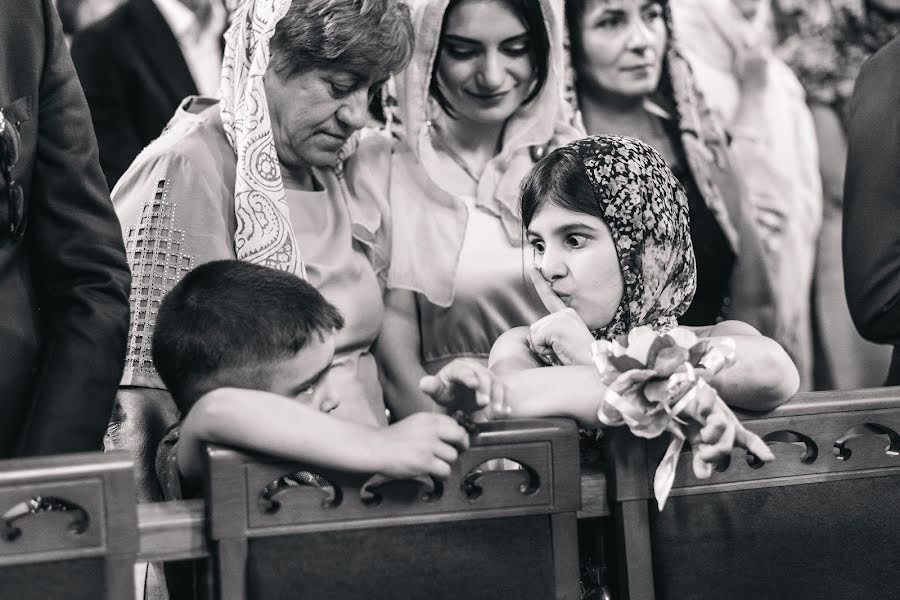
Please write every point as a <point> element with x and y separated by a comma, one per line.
<point>423,443</point>
<point>469,386</point>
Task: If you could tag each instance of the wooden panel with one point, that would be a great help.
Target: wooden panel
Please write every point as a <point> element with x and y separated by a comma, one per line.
<point>172,530</point>
<point>594,501</point>
<point>565,560</point>
<point>817,403</point>
<point>269,501</point>
<point>633,546</point>
<point>75,530</point>
<point>72,514</point>
<point>836,440</point>
<point>833,447</point>
<point>175,530</point>
<point>547,483</point>
<point>490,489</point>
<point>95,481</point>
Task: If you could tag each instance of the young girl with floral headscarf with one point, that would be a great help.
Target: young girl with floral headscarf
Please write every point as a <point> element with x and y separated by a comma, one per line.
<point>608,224</point>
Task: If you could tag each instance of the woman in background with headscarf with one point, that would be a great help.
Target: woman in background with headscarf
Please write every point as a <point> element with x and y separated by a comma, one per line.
<point>631,79</point>
<point>477,106</point>
<point>774,142</point>
<point>825,43</point>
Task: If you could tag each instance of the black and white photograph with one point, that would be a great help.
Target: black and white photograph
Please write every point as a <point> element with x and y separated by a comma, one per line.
<point>449,299</point>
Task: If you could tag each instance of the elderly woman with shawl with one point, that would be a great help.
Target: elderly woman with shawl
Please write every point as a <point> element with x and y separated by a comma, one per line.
<point>275,174</point>
<point>630,78</point>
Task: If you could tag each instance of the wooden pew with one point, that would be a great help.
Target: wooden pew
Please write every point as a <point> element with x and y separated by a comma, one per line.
<point>481,534</point>
<point>68,527</point>
<point>822,521</point>
<point>176,530</point>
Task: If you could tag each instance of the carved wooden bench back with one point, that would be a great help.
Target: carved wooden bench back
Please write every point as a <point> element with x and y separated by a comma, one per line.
<point>822,521</point>
<point>278,532</point>
<point>68,527</point>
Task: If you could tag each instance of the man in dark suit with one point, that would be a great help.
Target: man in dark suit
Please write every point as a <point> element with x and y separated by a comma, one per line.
<point>872,203</point>
<point>64,279</point>
<point>137,64</point>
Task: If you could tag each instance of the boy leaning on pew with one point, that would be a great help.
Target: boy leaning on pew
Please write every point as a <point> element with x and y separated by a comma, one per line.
<point>241,347</point>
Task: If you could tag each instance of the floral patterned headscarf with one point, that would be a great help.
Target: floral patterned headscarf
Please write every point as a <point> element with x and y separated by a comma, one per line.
<point>264,234</point>
<point>646,211</point>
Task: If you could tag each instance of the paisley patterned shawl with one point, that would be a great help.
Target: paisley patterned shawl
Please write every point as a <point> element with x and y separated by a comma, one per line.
<point>646,211</point>
<point>264,234</point>
<point>702,134</point>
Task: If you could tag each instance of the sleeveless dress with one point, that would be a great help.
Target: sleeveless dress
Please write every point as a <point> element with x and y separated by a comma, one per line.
<point>337,266</point>
<point>492,295</point>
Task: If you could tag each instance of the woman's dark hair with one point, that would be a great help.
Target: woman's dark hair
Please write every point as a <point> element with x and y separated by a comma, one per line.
<point>574,14</point>
<point>227,323</point>
<point>558,178</point>
<point>531,15</point>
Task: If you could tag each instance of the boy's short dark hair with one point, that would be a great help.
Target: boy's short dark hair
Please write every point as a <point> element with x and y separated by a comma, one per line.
<point>226,322</point>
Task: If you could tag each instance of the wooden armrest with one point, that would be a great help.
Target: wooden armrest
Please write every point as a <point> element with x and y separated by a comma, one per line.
<point>814,403</point>
<point>172,530</point>
<point>176,530</point>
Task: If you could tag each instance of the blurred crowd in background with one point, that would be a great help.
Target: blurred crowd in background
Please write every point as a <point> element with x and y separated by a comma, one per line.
<point>779,74</point>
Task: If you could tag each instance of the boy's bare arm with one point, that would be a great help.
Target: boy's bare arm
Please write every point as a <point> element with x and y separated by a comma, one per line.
<point>275,425</point>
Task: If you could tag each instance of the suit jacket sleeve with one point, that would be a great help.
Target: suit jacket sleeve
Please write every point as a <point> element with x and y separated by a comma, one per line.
<point>104,86</point>
<point>872,199</point>
<point>78,261</point>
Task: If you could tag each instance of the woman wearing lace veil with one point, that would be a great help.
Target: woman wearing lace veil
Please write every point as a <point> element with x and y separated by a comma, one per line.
<point>273,173</point>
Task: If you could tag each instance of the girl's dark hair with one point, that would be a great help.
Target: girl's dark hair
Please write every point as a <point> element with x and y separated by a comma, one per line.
<point>531,15</point>
<point>558,178</point>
